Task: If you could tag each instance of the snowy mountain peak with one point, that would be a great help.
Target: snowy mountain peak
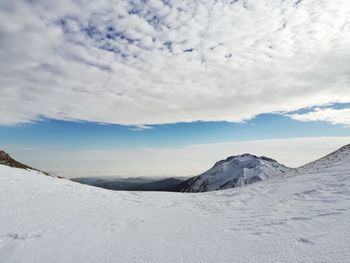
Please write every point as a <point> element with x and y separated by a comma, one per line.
<point>243,157</point>
<point>235,171</point>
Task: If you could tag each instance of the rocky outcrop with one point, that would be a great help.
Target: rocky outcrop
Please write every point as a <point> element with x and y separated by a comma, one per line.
<point>5,159</point>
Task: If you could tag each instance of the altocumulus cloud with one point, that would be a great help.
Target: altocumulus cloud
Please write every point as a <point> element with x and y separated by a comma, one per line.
<point>152,62</point>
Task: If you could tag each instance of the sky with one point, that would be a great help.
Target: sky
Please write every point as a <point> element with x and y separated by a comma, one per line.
<point>130,88</point>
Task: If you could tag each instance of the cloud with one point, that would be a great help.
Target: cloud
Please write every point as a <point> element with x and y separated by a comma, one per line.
<point>152,62</point>
<point>334,116</point>
<point>140,128</point>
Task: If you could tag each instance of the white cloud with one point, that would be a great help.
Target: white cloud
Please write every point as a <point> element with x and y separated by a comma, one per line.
<point>138,63</point>
<point>334,116</point>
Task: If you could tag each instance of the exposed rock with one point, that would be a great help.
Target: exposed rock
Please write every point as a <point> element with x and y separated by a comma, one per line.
<point>5,159</point>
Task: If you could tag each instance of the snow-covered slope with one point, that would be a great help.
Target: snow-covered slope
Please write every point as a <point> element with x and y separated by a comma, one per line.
<point>235,171</point>
<point>338,158</point>
<point>302,217</point>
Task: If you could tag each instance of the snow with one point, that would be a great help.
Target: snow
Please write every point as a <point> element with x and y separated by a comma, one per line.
<point>302,216</point>
<point>235,171</point>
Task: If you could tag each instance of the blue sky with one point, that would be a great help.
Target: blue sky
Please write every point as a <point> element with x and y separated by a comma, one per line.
<point>76,149</point>
<point>88,135</point>
<point>81,82</point>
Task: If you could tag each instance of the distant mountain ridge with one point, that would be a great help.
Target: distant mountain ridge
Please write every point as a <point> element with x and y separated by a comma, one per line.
<point>234,171</point>
<point>134,184</point>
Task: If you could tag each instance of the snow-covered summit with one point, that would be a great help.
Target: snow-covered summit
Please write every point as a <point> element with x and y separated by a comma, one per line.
<point>235,171</point>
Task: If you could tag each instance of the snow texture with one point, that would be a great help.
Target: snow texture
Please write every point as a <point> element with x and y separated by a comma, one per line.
<point>301,216</point>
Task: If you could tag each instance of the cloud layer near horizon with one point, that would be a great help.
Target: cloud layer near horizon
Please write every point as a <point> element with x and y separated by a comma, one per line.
<point>183,161</point>
<point>152,62</point>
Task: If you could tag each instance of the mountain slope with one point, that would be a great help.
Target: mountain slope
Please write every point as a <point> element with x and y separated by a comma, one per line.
<point>234,171</point>
<point>6,159</point>
<point>336,158</point>
<point>299,217</point>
